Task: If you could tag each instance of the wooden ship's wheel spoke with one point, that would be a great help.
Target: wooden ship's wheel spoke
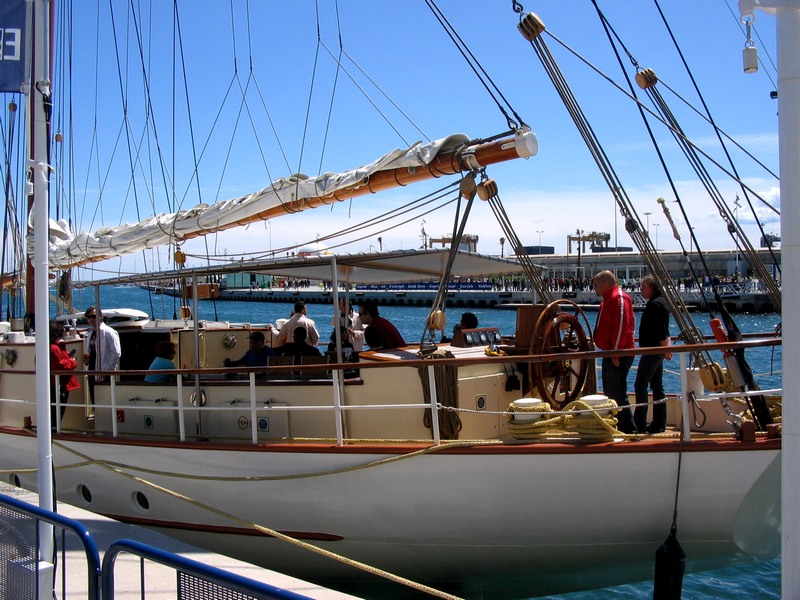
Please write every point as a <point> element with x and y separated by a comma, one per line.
<point>559,382</point>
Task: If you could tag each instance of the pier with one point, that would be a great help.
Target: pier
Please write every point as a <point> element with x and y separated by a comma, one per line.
<point>736,297</point>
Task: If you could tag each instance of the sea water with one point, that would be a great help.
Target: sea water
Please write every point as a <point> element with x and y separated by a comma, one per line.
<point>759,580</point>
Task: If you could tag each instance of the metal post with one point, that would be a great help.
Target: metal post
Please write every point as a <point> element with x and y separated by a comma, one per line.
<point>437,438</point>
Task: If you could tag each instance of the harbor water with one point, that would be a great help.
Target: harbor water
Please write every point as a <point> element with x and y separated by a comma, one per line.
<point>754,581</point>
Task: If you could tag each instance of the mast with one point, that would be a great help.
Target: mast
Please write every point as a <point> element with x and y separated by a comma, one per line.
<point>39,169</point>
<point>787,14</point>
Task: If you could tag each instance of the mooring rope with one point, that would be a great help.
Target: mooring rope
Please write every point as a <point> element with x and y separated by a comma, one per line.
<point>265,530</point>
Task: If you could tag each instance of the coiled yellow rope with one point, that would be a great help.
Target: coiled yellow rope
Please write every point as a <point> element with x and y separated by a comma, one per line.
<point>592,423</point>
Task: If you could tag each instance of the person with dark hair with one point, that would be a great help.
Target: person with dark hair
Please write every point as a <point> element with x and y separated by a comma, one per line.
<point>165,352</point>
<point>388,336</point>
<point>653,332</point>
<point>298,346</point>
<point>614,331</point>
<point>299,318</point>
<point>346,343</point>
<point>102,350</point>
<point>468,321</point>
<point>61,360</point>
<point>257,354</point>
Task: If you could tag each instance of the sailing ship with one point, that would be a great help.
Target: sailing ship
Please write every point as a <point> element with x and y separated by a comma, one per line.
<point>489,465</point>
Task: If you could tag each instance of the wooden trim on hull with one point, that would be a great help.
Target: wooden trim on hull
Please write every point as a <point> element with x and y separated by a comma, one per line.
<point>221,530</point>
<point>699,443</point>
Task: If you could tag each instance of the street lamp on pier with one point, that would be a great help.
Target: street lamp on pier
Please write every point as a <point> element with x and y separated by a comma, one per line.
<point>540,232</point>
<point>647,216</point>
<point>656,226</point>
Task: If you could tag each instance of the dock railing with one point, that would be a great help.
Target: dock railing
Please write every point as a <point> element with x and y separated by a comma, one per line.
<point>24,575</point>
<point>192,579</point>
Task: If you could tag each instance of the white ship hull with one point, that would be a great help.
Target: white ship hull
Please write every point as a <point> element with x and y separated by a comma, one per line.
<point>541,517</point>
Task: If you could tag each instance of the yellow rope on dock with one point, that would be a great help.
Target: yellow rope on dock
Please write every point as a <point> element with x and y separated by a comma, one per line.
<point>270,532</point>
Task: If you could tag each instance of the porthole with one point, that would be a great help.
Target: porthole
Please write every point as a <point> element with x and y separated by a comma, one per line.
<point>84,495</point>
<point>141,502</point>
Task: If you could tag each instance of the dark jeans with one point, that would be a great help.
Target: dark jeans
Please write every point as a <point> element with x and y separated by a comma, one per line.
<point>63,396</point>
<point>651,370</point>
<point>615,386</point>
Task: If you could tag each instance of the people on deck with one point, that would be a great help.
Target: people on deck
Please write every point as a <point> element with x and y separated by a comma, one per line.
<point>102,349</point>
<point>353,328</point>
<point>298,346</point>
<point>653,332</point>
<point>345,340</point>
<point>165,353</point>
<point>299,318</point>
<point>468,321</point>
<point>389,336</point>
<point>614,331</point>
<point>61,360</point>
<point>257,354</point>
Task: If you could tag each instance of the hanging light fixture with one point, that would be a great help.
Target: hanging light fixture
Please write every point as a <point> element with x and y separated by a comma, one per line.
<point>750,52</point>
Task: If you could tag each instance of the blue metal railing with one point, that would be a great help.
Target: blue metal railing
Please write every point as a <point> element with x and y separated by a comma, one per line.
<point>64,524</point>
<point>189,572</point>
<point>190,575</point>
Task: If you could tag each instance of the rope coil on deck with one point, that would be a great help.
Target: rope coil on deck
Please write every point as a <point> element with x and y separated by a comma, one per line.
<point>592,423</point>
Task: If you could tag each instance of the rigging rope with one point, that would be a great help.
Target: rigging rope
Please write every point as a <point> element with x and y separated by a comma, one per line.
<point>736,232</point>
<point>477,68</point>
<point>531,28</point>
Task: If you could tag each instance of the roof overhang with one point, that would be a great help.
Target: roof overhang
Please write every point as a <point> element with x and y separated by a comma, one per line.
<point>399,266</point>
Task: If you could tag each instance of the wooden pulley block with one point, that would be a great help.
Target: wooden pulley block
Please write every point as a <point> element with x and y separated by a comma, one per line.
<point>437,320</point>
<point>487,189</point>
<point>180,258</point>
<point>713,377</point>
<point>185,312</point>
<point>467,186</point>
<point>646,78</point>
<point>531,27</point>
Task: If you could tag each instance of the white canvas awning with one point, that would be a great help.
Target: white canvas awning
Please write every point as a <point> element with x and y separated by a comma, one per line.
<point>399,266</point>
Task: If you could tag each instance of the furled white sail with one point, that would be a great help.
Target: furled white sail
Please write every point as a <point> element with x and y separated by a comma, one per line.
<point>68,249</point>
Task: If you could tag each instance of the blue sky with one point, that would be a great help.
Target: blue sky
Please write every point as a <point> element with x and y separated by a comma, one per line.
<point>402,49</point>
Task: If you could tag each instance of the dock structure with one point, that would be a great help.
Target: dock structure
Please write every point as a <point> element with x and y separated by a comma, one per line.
<point>739,293</point>
<point>737,298</point>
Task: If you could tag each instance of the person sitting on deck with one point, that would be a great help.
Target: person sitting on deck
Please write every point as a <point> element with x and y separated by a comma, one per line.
<point>257,354</point>
<point>299,346</point>
<point>372,337</point>
<point>165,352</point>
<point>468,321</point>
<point>389,336</point>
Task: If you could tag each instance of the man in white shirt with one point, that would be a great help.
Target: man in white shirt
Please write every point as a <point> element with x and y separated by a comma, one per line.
<point>101,348</point>
<point>298,319</point>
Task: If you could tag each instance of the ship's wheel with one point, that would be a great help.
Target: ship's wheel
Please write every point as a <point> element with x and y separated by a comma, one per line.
<point>560,331</point>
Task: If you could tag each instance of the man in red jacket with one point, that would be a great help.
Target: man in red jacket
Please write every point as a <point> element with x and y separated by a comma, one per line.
<point>614,331</point>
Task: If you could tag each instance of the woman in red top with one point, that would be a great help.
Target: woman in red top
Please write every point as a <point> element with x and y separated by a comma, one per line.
<point>60,360</point>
